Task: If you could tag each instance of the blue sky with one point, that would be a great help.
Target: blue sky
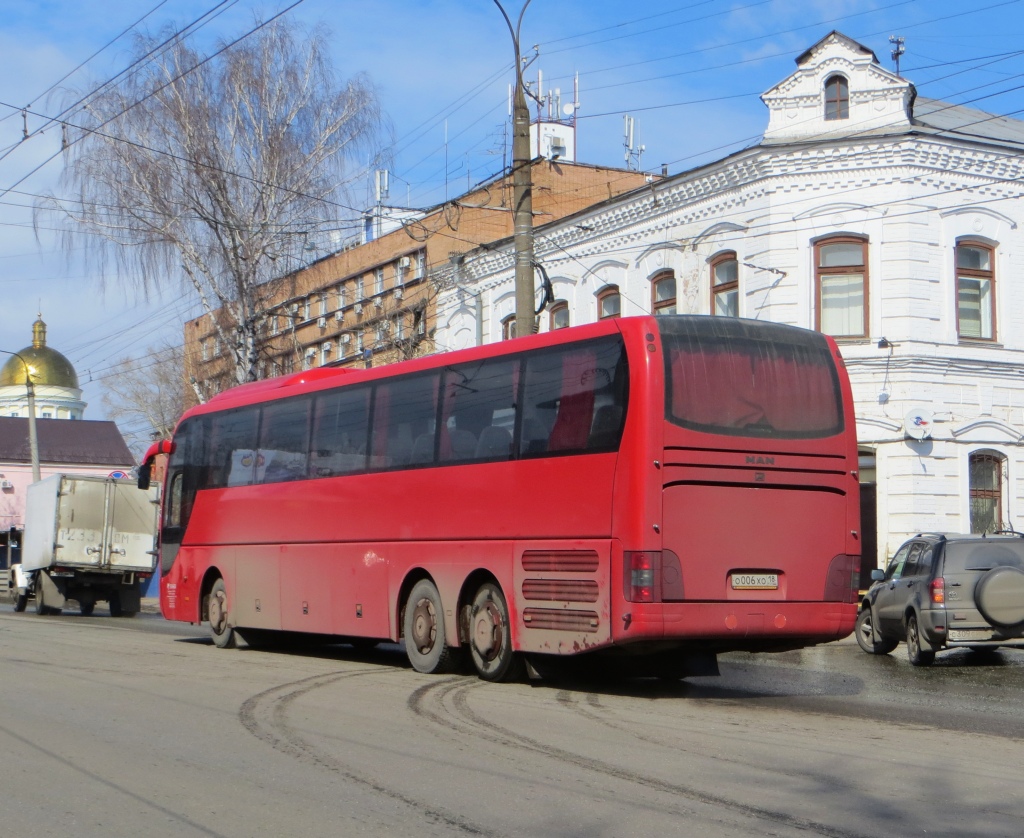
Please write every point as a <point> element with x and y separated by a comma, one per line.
<point>690,72</point>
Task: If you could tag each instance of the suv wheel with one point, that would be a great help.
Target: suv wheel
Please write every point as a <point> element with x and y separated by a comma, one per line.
<point>919,656</point>
<point>866,636</point>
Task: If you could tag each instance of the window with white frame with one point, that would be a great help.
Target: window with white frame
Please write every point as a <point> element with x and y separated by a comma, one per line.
<point>841,284</point>
<point>399,327</point>
<point>837,98</point>
<point>305,309</point>
<point>378,281</point>
<point>663,293</point>
<point>325,353</point>
<point>400,272</point>
<point>725,285</point>
<point>508,327</point>
<point>323,305</point>
<point>975,290</point>
<point>421,264</point>
<point>558,315</point>
<point>275,324</point>
<point>986,491</point>
<point>609,303</point>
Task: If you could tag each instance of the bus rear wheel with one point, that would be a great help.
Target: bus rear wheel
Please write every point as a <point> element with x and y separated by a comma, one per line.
<point>217,610</point>
<point>423,627</point>
<point>490,637</point>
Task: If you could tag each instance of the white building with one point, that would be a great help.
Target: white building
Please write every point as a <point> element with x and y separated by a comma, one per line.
<point>887,220</point>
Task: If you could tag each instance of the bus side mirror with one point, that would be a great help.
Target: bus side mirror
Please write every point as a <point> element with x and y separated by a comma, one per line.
<point>145,470</point>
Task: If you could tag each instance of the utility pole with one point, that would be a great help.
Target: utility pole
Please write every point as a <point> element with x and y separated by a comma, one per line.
<point>33,439</point>
<point>522,187</point>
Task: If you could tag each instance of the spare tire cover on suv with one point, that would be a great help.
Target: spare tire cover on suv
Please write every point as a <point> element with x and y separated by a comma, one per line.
<point>1000,596</point>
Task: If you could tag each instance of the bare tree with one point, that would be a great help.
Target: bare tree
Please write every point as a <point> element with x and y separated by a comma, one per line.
<point>146,396</point>
<point>214,171</point>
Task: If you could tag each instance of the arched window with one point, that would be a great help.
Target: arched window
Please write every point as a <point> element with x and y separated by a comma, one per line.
<point>558,315</point>
<point>663,293</point>
<point>975,290</point>
<point>609,303</point>
<point>986,491</point>
<point>725,285</point>
<point>508,327</point>
<point>841,285</point>
<point>837,98</point>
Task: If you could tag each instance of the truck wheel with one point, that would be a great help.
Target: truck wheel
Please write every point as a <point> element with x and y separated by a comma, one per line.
<point>40,605</point>
<point>86,608</point>
<point>217,608</point>
<point>115,605</point>
<point>21,602</point>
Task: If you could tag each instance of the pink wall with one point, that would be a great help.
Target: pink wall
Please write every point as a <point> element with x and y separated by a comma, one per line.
<point>12,500</point>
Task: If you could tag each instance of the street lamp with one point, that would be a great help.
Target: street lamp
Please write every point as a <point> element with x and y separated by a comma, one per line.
<point>33,440</point>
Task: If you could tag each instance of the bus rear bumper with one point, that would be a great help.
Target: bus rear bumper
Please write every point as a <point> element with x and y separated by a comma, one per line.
<point>737,626</point>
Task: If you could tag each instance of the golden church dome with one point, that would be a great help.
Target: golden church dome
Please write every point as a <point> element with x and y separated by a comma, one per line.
<point>47,366</point>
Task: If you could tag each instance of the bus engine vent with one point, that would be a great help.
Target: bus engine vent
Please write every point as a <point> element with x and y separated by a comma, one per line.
<point>560,561</point>
<point>560,590</point>
<point>561,620</point>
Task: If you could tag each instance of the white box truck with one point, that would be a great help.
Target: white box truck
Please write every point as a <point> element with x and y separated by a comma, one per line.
<point>87,539</point>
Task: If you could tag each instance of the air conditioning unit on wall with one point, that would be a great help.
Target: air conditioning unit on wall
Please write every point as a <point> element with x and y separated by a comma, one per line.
<point>322,322</point>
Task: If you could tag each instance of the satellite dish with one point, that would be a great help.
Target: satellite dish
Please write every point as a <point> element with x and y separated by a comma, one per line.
<point>568,109</point>
<point>917,424</point>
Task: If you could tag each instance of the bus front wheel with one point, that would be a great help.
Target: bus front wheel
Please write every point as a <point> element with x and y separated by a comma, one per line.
<point>423,628</point>
<point>217,610</point>
<point>490,637</point>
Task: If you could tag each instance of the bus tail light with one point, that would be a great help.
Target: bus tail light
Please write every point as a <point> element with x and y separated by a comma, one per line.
<point>843,581</point>
<point>938,589</point>
<point>642,582</point>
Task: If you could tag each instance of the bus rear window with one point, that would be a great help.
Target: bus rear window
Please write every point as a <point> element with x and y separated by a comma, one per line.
<point>733,377</point>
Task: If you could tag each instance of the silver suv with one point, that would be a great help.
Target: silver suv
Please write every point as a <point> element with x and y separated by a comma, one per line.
<point>944,591</point>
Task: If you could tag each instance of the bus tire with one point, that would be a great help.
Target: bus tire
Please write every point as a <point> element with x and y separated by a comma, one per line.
<point>490,637</point>
<point>423,628</point>
<point>222,633</point>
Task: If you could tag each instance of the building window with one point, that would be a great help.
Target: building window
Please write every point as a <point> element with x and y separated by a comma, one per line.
<point>400,271</point>
<point>558,315</point>
<point>341,297</point>
<point>663,293</point>
<point>206,349</point>
<point>725,285</point>
<point>609,303</point>
<point>325,353</point>
<point>305,309</point>
<point>378,281</point>
<point>421,264</point>
<point>986,493</point>
<point>275,324</point>
<point>975,291</point>
<point>359,290</point>
<point>508,327</point>
<point>841,283</point>
<point>837,98</point>
<point>399,327</point>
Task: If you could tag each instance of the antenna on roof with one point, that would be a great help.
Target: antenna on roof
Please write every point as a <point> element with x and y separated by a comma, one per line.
<point>898,50</point>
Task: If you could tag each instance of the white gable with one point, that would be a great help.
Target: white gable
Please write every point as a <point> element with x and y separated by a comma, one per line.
<point>879,100</point>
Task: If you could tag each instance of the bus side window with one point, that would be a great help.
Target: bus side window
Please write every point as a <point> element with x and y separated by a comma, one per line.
<point>233,448</point>
<point>341,421</point>
<point>404,409</point>
<point>478,415</point>
<point>284,441</point>
<point>580,394</point>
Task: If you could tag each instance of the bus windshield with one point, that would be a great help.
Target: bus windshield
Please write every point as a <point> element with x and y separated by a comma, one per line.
<point>732,377</point>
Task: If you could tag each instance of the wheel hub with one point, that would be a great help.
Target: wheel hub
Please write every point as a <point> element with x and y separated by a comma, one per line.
<point>218,615</point>
<point>424,625</point>
<point>487,632</point>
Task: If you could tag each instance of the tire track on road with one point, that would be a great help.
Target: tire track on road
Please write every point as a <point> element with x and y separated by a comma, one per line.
<point>265,716</point>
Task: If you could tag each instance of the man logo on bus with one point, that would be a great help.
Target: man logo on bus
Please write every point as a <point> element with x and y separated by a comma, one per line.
<point>753,460</point>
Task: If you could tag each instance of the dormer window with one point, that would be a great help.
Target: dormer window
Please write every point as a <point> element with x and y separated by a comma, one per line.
<point>837,98</point>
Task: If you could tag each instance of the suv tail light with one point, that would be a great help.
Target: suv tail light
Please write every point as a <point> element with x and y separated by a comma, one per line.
<point>642,577</point>
<point>938,590</point>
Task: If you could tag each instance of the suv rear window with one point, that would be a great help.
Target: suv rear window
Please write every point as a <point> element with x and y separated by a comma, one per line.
<point>983,555</point>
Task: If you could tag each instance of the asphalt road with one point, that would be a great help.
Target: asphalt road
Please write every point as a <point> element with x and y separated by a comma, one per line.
<point>141,727</point>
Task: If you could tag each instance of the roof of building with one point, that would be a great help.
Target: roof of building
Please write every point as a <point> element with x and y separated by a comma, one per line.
<point>63,442</point>
<point>935,116</point>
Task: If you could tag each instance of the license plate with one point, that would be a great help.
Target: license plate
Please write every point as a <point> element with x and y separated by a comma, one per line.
<point>755,581</point>
<point>969,634</point>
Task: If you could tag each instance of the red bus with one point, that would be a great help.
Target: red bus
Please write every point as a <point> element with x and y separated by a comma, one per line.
<point>658,488</point>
